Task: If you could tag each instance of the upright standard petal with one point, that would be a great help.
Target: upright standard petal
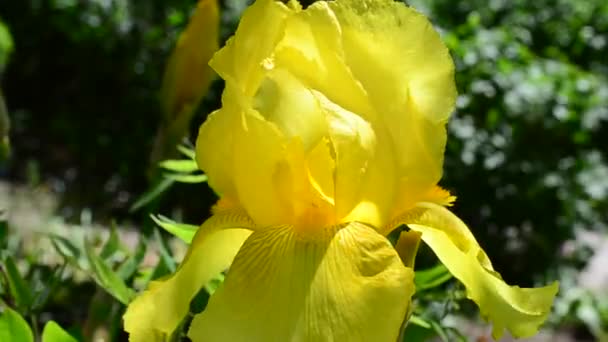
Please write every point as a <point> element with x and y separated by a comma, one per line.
<point>214,146</point>
<point>158,311</point>
<point>311,49</point>
<point>409,76</point>
<point>345,284</point>
<point>242,60</point>
<point>519,310</point>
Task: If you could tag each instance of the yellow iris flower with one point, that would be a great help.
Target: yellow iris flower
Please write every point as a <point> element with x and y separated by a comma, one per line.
<point>331,134</point>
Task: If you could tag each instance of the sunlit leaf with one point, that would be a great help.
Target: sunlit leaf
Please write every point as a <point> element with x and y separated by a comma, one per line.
<point>52,332</point>
<point>14,328</point>
<point>107,278</point>
<point>179,165</point>
<point>187,151</point>
<point>182,230</point>
<point>186,178</point>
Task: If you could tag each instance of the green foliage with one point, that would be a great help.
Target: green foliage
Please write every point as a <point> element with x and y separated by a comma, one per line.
<point>526,156</point>
<point>14,328</point>
<point>52,332</point>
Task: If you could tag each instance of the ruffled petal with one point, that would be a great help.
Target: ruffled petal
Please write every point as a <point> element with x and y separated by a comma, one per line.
<point>244,58</point>
<point>158,311</point>
<point>214,146</point>
<point>283,100</point>
<point>408,75</point>
<point>311,49</point>
<point>519,310</point>
<point>346,284</point>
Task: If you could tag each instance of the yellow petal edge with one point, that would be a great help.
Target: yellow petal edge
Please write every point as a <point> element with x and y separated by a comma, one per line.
<point>519,310</point>
<point>158,311</point>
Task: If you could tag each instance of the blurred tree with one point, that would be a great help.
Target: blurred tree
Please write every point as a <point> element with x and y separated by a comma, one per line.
<point>527,156</point>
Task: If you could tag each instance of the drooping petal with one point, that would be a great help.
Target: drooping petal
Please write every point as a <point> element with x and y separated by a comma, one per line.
<point>158,310</point>
<point>242,60</point>
<point>519,310</point>
<point>346,284</point>
<point>407,73</point>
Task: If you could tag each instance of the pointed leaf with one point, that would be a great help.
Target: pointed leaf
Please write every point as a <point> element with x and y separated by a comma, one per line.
<point>19,288</point>
<point>52,332</point>
<point>107,278</point>
<point>158,188</point>
<point>179,165</point>
<point>431,277</point>
<point>182,230</point>
<point>186,178</point>
<point>14,328</point>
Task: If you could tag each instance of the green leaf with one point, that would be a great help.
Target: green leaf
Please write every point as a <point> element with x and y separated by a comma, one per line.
<point>182,230</point>
<point>187,151</point>
<point>69,251</point>
<point>107,278</point>
<point>165,254</point>
<point>419,321</point>
<point>52,332</point>
<point>200,178</point>
<point>112,245</point>
<point>14,328</point>
<point>432,277</point>
<point>3,233</point>
<point>156,190</point>
<point>179,165</point>
<point>6,45</point>
<point>18,287</point>
<point>129,267</point>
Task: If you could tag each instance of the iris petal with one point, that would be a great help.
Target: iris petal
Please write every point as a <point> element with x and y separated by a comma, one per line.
<point>158,311</point>
<point>345,284</point>
<point>408,75</point>
<point>241,61</point>
<point>519,310</point>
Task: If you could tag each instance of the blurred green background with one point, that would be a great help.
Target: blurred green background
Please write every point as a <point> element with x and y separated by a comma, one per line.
<point>527,152</point>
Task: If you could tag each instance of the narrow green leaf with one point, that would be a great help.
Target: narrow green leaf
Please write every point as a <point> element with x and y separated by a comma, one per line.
<point>156,190</point>
<point>3,233</point>
<point>182,230</point>
<point>129,267</point>
<point>107,278</point>
<point>51,284</point>
<point>52,332</point>
<point>187,151</point>
<point>432,277</point>
<point>165,254</point>
<point>69,251</point>
<point>443,335</point>
<point>179,165</point>
<point>200,178</point>
<point>111,245</point>
<point>14,328</point>
<point>421,322</point>
<point>17,285</point>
